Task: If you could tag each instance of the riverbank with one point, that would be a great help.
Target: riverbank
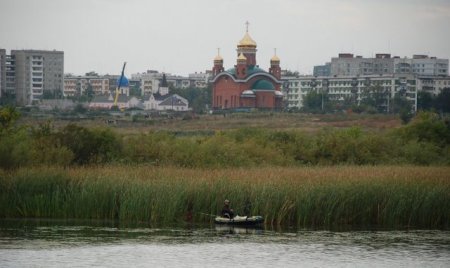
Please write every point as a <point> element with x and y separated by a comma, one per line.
<point>382,196</point>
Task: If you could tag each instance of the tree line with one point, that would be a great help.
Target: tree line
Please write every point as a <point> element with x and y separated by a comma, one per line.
<point>424,141</point>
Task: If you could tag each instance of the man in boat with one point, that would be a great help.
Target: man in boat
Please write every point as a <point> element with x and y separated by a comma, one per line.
<point>227,212</point>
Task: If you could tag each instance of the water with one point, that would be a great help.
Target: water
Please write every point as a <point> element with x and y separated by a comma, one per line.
<point>61,244</point>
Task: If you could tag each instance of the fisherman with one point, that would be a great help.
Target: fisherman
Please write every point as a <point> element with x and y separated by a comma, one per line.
<point>227,212</point>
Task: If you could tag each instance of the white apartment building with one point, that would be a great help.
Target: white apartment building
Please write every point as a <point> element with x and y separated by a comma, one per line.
<point>433,85</point>
<point>78,85</point>
<point>350,87</point>
<point>2,71</point>
<point>150,81</point>
<point>346,64</point>
<point>199,80</point>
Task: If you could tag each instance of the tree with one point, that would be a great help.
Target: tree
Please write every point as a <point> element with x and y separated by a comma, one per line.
<point>8,115</point>
<point>312,102</point>
<point>424,101</point>
<point>89,145</point>
<point>442,102</point>
<point>375,97</point>
<point>7,98</point>
<point>135,91</point>
<point>91,73</point>
<point>89,92</point>
<point>198,98</point>
<point>48,95</point>
<point>403,107</point>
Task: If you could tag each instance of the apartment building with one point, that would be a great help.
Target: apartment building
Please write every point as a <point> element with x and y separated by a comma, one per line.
<point>346,64</point>
<point>349,87</point>
<point>2,71</point>
<point>198,80</point>
<point>432,84</point>
<point>79,85</point>
<point>322,70</point>
<point>150,80</point>
<point>28,74</point>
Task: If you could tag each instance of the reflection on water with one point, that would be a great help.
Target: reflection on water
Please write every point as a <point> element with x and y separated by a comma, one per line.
<point>62,244</point>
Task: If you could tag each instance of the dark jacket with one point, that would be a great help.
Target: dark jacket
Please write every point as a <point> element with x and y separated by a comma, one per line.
<point>227,212</point>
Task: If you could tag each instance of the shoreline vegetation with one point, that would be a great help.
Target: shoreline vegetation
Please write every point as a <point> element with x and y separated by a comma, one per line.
<point>424,141</point>
<point>395,177</point>
<point>311,197</point>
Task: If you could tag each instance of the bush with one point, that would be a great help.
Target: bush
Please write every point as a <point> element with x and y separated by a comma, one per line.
<point>421,153</point>
<point>14,148</point>
<point>426,127</point>
<point>90,146</point>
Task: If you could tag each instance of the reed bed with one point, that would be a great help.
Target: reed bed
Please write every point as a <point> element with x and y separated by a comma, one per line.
<point>379,196</point>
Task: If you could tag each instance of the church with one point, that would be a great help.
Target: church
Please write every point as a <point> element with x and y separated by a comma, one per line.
<point>246,85</point>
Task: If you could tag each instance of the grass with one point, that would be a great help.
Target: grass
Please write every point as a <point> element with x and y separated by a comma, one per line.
<point>382,196</point>
<point>267,120</point>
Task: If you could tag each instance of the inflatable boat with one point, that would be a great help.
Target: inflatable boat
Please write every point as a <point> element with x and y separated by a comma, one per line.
<point>240,220</point>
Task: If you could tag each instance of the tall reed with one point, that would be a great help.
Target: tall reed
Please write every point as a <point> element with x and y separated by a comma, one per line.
<point>382,196</point>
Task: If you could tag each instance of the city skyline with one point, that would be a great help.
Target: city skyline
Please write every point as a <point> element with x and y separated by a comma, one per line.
<point>182,37</point>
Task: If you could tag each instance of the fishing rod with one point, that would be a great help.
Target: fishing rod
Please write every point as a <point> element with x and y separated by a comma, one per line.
<point>211,215</point>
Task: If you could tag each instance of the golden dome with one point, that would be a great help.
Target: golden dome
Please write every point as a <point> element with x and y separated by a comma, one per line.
<point>247,41</point>
<point>218,57</point>
<point>242,57</point>
<point>275,58</point>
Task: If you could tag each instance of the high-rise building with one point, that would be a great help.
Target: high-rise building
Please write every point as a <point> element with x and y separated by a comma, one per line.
<point>356,88</point>
<point>346,64</point>
<point>2,71</point>
<point>29,74</point>
<point>322,70</point>
<point>351,88</point>
<point>81,85</point>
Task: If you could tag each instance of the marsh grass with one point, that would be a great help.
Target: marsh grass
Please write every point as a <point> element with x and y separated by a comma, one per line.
<point>382,196</point>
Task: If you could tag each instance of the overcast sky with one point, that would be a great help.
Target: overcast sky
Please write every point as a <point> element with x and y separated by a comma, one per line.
<point>182,36</point>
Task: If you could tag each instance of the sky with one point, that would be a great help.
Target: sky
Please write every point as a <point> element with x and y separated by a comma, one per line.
<point>182,36</point>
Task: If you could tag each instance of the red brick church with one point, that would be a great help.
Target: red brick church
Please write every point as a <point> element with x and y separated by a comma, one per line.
<point>246,85</point>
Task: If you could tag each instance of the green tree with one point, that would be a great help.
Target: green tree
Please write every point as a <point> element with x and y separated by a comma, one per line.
<point>48,95</point>
<point>424,101</point>
<point>442,102</point>
<point>135,91</point>
<point>90,145</point>
<point>374,97</point>
<point>427,127</point>
<point>198,98</point>
<point>8,115</point>
<point>89,92</point>
<point>403,107</point>
<point>312,102</point>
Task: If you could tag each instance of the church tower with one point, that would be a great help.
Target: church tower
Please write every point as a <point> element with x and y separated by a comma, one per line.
<point>275,68</point>
<point>241,67</point>
<point>164,86</point>
<point>247,47</point>
<point>218,64</point>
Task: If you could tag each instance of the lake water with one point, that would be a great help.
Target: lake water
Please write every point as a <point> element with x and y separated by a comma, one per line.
<point>59,244</point>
